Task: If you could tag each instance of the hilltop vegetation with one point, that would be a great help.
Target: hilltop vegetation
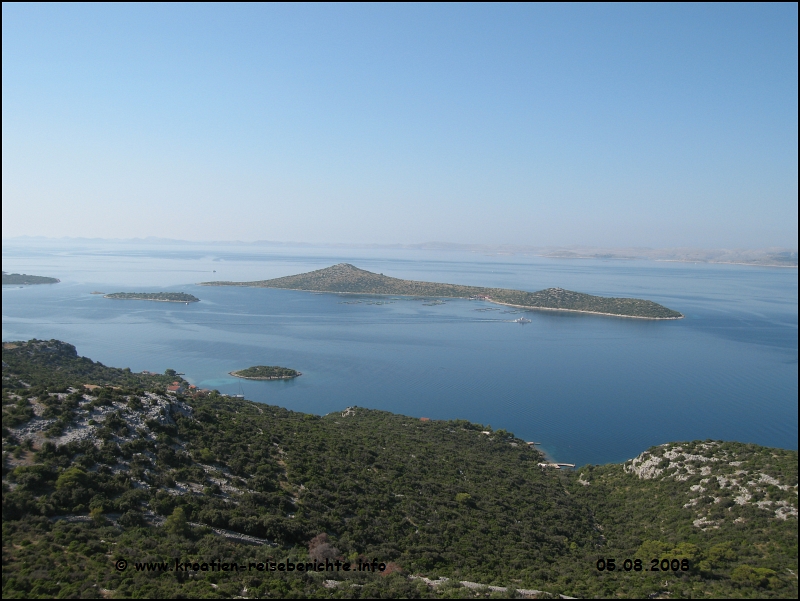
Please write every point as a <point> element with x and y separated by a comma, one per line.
<point>167,297</point>
<point>123,470</point>
<point>727,507</point>
<point>348,278</point>
<point>21,279</point>
<point>266,372</point>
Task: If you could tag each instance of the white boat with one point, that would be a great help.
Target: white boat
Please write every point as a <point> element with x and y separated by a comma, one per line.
<point>522,320</point>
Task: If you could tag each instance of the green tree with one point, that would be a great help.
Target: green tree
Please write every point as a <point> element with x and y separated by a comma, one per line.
<point>748,575</point>
<point>176,523</point>
<point>71,477</point>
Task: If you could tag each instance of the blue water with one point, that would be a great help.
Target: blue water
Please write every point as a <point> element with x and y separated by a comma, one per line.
<point>590,389</point>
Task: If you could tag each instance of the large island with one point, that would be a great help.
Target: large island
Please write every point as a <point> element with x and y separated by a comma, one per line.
<point>22,279</point>
<point>346,278</point>
<point>164,297</point>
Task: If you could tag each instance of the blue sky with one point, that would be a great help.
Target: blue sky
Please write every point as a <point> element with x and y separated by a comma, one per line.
<point>614,125</point>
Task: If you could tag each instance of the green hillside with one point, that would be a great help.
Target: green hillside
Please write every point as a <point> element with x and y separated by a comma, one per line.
<point>346,278</point>
<point>122,470</point>
<point>728,508</point>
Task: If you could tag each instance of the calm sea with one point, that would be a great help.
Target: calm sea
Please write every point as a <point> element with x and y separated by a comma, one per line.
<point>590,389</point>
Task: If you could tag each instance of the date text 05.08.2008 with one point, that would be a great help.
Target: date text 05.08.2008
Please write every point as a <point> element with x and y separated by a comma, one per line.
<point>656,565</point>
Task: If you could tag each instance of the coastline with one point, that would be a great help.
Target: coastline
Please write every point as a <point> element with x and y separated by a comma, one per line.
<point>583,311</point>
<point>458,297</point>
<point>726,263</point>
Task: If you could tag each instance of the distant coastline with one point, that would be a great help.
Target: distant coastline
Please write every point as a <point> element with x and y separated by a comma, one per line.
<point>725,263</point>
<point>754,257</point>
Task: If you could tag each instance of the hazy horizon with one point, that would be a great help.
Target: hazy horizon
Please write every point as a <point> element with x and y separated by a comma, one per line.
<point>410,245</point>
<point>603,126</point>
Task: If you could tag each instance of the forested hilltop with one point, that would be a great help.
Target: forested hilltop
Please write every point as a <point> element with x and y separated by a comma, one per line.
<point>103,465</point>
<point>350,279</point>
<point>22,279</point>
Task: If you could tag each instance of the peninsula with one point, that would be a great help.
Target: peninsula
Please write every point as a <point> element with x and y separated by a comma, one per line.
<point>21,279</point>
<point>346,278</point>
<point>164,297</point>
<point>266,372</point>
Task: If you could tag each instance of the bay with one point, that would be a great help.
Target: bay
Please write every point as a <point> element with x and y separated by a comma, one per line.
<point>591,389</point>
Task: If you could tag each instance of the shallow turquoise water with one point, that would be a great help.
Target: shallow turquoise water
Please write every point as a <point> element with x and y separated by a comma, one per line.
<point>591,389</point>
